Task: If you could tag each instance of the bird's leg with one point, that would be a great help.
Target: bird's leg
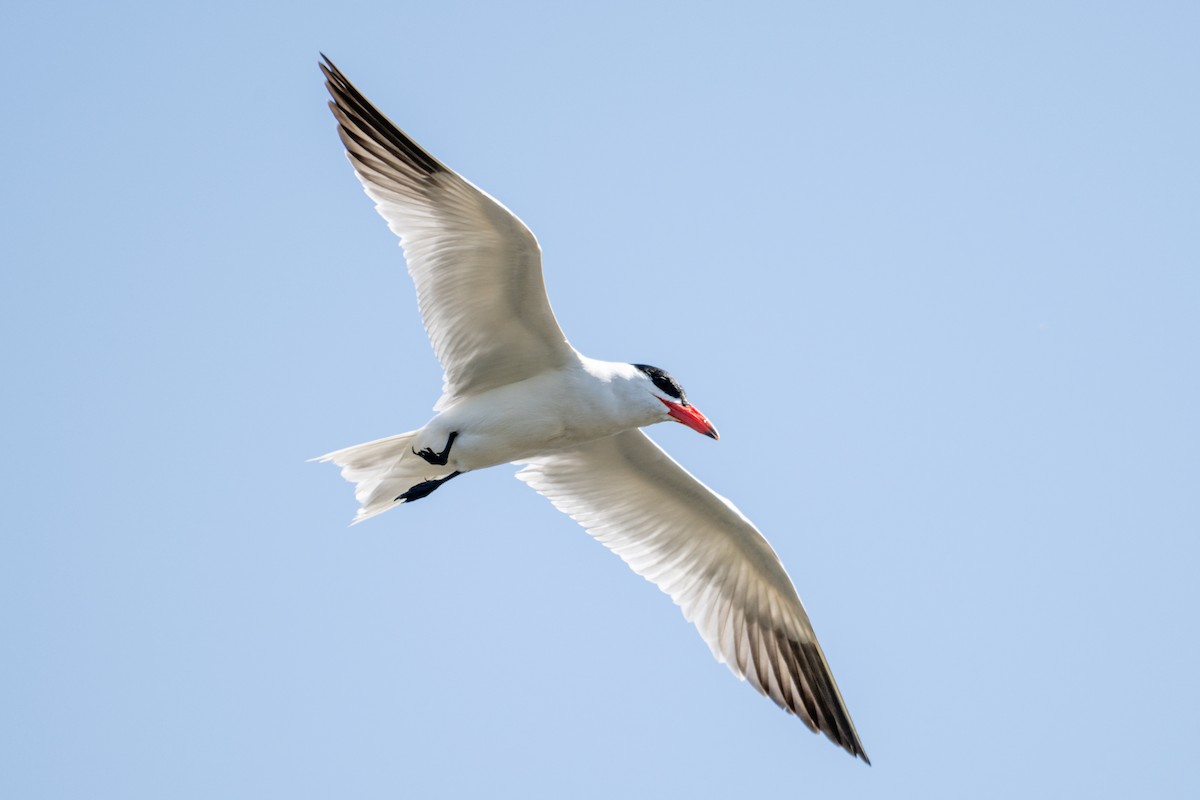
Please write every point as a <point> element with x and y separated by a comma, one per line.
<point>439,459</point>
<point>425,488</point>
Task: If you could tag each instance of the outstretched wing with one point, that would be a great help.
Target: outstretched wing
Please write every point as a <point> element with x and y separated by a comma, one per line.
<point>477,268</point>
<point>698,548</point>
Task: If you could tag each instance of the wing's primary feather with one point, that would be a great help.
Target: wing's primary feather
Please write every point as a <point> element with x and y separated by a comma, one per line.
<point>477,268</point>
<point>698,548</point>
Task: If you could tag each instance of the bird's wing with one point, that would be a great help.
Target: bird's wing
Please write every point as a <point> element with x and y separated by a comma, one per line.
<point>477,268</point>
<point>698,548</point>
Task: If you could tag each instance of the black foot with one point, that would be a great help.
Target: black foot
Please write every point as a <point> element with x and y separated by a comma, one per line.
<point>439,459</point>
<point>425,488</point>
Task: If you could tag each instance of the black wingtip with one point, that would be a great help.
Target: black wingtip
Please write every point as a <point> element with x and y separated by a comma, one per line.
<point>363,119</point>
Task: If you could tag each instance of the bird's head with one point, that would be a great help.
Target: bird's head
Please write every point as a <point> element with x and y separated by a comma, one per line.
<point>675,405</point>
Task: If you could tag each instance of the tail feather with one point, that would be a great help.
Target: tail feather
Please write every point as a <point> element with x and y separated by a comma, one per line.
<point>382,470</point>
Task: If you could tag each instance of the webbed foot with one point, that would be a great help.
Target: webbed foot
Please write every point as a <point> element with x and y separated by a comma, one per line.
<point>425,488</point>
<point>438,459</point>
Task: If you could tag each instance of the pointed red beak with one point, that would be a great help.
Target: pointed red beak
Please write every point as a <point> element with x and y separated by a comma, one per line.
<point>691,417</point>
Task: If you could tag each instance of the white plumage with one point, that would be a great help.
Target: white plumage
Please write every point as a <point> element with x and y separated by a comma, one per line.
<point>516,391</point>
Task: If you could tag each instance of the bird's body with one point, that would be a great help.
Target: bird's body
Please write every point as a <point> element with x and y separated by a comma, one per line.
<point>546,413</point>
<point>516,391</point>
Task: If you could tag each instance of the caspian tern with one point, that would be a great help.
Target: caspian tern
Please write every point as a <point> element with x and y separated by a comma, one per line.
<point>516,391</point>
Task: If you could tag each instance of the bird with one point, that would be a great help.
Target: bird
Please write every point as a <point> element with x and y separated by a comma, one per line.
<point>515,391</point>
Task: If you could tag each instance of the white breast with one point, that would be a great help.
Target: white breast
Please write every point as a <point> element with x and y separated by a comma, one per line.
<point>544,414</point>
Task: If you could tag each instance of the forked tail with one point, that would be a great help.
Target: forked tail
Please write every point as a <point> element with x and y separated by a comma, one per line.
<point>381,471</point>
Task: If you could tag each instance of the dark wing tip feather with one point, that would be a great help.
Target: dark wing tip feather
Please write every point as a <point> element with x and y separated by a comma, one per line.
<point>359,113</point>
<point>819,690</point>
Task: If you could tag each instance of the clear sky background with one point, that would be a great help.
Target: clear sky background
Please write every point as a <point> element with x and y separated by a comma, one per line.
<point>933,269</point>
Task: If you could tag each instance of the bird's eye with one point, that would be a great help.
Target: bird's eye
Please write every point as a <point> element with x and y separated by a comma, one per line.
<point>669,386</point>
<point>665,383</point>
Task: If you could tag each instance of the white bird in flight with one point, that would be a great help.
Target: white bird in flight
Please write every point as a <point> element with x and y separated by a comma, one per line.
<point>516,391</point>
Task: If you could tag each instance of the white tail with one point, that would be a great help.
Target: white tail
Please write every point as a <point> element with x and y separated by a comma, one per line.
<point>382,470</point>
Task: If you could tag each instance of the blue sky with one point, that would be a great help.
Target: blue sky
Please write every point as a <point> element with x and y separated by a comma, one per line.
<point>932,269</point>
